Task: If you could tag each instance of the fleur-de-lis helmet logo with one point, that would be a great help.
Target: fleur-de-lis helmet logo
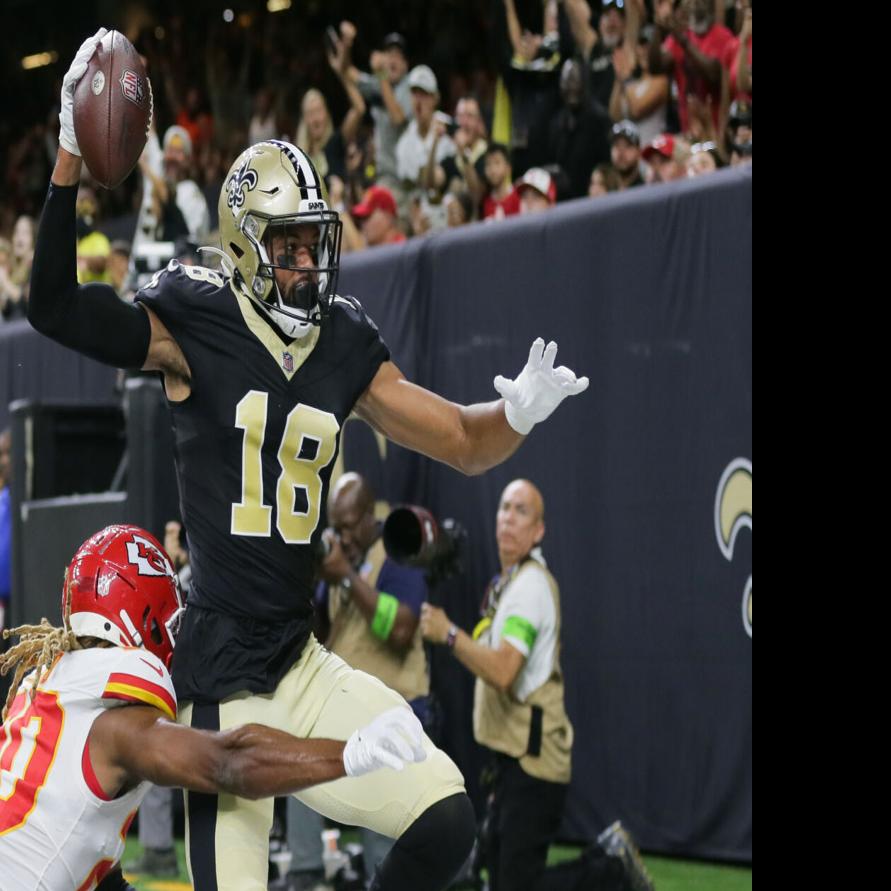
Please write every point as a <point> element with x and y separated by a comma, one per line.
<point>243,180</point>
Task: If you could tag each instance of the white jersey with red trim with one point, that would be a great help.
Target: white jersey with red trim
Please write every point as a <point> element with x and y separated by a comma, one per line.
<point>57,828</point>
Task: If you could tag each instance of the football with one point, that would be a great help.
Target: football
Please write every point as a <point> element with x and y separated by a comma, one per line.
<point>112,110</point>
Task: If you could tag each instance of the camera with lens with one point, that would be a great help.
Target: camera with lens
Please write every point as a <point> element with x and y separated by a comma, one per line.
<point>413,537</point>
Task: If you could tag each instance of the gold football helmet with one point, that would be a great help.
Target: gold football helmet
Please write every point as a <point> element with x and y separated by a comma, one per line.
<point>273,195</point>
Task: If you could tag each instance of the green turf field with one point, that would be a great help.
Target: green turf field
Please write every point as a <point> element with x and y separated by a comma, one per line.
<point>668,874</point>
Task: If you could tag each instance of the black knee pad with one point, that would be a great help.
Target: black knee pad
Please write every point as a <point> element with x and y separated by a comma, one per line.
<point>432,850</point>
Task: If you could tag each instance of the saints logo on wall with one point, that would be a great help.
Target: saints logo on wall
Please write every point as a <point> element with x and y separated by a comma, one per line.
<point>733,511</point>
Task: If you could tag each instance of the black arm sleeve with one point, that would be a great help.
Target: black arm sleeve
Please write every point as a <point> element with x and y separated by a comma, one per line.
<point>91,318</point>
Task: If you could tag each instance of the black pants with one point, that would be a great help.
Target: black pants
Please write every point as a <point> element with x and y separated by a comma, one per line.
<point>523,819</point>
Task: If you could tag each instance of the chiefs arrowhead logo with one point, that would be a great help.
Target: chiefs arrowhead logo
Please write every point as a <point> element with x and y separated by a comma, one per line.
<point>147,559</point>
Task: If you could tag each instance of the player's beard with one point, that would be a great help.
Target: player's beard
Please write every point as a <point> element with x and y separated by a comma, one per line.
<point>303,294</point>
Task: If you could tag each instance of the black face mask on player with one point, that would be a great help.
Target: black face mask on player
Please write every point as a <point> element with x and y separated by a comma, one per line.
<point>274,217</point>
<point>305,248</point>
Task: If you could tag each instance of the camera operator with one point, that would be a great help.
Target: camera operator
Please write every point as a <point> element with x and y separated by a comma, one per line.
<point>373,604</point>
<point>518,701</point>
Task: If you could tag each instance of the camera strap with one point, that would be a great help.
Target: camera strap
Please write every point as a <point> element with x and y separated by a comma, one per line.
<point>492,595</point>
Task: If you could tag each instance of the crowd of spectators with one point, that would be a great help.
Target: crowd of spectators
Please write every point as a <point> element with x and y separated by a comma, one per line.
<point>576,99</point>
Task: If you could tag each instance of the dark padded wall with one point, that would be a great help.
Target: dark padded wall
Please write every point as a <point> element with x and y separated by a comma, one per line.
<point>649,293</point>
<point>646,477</point>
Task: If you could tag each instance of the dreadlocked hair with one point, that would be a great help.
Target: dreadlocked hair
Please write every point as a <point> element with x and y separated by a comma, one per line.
<point>38,647</point>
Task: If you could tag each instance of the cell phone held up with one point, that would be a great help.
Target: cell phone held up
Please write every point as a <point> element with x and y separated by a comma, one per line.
<point>448,121</point>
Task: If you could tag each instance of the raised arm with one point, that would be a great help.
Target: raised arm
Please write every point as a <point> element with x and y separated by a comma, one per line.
<point>578,12</point>
<point>514,31</point>
<point>137,743</point>
<point>618,100</point>
<point>338,59</point>
<point>396,113</point>
<point>470,438</point>
<point>635,15</point>
<point>432,174</point>
<point>707,67</point>
<point>625,100</point>
<point>90,318</point>
<point>661,60</point>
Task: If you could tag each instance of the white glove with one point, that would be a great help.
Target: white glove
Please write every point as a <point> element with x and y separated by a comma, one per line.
<point>393,739</point>
<point>539,389</point>
<point>69,82</point>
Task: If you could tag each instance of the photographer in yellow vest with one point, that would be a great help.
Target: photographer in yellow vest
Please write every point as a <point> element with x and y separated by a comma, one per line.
<point>518,701</point>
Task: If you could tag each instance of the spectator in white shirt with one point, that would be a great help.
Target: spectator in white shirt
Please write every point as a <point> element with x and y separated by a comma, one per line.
<point>413,151</point>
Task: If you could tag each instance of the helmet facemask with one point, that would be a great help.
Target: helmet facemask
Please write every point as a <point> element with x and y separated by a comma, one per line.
<point>307,244</point>
<point>272,191</point>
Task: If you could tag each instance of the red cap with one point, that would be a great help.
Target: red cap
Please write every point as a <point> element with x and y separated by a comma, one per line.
<point>540,180</point>
<point>376,198</point>
<point>662,145</point>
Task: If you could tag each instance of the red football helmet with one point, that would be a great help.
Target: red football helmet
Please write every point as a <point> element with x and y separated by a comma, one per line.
<point>121,587</point>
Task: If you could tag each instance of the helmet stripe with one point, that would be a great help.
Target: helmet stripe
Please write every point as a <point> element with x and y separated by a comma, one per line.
<point>307,177</point>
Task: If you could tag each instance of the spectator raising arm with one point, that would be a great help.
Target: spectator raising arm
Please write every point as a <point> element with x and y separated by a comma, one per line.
<point>513,27</point>
<point>635,99</point>
<point>395,111</point>
<point>338,59</point>
<point>433,178</point>
<point>707,67</point>
<point>661,60</point>
<point>579,14</point>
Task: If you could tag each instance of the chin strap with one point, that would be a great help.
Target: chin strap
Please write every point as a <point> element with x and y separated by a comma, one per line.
<point>308,293</point>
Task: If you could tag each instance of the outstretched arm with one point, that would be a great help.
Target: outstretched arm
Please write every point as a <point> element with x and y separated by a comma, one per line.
<point>137,743</point>
<point>470,438</point>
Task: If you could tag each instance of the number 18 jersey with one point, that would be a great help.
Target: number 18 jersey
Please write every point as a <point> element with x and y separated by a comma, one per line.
<point>256,441</point>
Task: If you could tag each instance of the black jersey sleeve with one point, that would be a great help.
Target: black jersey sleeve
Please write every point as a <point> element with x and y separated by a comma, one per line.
<point>91,318</point>
<point>361,349</point>
<point>176,292</point>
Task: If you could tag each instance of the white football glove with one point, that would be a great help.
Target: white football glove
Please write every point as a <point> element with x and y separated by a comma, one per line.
<point>66,116</point>
<point>539,389</point>
<point>393,739</point>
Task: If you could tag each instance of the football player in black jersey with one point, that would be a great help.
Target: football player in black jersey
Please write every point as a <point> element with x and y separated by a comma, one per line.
<point>262,365</point>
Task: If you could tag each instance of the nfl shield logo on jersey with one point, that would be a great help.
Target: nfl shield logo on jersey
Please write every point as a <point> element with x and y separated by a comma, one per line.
<point>287,362</point>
